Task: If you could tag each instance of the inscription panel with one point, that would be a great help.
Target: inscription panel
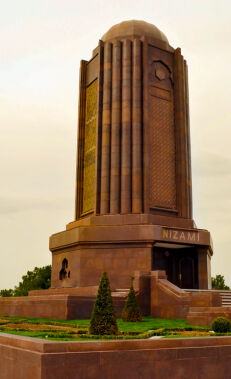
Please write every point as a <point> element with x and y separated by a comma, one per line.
<point>89,148</point>
<point>180,235</point>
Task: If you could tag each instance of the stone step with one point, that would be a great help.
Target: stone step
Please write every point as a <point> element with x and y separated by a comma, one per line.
<point>226,292</point>
<point>209,309</point>
<point>225,298</point>
<point>119,292</point>
<point>225,295</point>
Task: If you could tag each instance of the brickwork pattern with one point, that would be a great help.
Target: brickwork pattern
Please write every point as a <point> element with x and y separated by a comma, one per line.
<point>162,172</point>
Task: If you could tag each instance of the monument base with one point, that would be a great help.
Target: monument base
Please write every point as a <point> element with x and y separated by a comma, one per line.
<point>123,244</point>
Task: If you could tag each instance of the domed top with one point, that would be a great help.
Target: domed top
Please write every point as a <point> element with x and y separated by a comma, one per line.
<point>134,28</point>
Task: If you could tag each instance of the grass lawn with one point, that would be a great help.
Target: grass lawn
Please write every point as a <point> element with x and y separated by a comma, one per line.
<point>146,324</point>
<point>150,323</point>
<point>77,330</point>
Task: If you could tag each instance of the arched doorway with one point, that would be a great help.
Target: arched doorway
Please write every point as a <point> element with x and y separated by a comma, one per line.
<point>186,272</point>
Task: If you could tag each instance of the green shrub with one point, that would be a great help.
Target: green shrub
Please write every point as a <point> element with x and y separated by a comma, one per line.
<point>82,331</point>
<point>131,310</point>
<point>218,283</point>
<point>221,325</point>
<point>103,320</point>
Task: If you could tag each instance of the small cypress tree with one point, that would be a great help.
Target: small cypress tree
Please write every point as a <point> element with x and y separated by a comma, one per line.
<point>131,310</point>
<point>103,319</point>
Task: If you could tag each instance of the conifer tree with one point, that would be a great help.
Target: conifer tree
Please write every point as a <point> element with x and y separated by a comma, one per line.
<point>131,310</point>
<point>103,319</point>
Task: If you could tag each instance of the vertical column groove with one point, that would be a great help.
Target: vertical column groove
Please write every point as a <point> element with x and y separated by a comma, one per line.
<point>136,129</point>
<point>115,129</point>
<point>106,132</point>
<point>99,127</point>
<point>181,134</point>
<point>189,182</point>
<point>80,144</point>
<point>126,128</point>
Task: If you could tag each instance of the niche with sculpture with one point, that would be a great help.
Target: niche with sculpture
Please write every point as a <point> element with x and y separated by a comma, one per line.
<point>64,273</point>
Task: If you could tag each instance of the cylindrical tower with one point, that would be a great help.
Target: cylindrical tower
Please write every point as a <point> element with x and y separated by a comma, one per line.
<point>135,154</point>
<point>133,186</point>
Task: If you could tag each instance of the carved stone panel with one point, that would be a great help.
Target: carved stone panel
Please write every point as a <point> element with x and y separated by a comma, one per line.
<point>162,136</point>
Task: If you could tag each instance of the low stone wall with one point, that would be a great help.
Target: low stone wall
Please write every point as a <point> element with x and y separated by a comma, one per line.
<point>74,291</point>
<point>206,315</point>
<point>194,358</point>
<point>63,306</point>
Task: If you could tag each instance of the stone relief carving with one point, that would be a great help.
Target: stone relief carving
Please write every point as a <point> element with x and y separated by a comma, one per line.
<point>160,80</point>
<point>64,273</point>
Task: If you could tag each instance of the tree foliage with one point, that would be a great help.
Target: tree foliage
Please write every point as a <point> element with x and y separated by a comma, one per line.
<point>218,283</point>
<point>39,278</point>
<point>131,310</point>
<point>7,293</point>
<point>103,319</point>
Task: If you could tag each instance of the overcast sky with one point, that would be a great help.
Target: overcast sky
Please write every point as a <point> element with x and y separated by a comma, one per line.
<point>42,43</point>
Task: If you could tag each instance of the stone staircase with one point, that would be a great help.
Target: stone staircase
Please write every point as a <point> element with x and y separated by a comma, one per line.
<point>225,298</point>
<point>225,295</point>
<point>205,315</point>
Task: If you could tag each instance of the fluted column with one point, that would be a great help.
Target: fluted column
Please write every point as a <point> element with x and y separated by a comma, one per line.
<point>126,128</point>
<point>189,181</point>
<point>181,135</point>
<point>136,129</point>
<point>106,132</point>
<point>115,129</point>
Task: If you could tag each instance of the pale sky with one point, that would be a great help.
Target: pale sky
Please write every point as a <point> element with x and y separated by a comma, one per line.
<point>42,43</point>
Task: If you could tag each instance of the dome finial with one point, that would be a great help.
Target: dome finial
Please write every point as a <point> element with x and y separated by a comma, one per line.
<point>134,28</point>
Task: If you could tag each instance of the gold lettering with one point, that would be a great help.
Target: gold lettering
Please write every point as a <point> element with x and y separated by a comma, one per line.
<point>165,233</point>
<point>181,235</point>
<point>191,236</point>
<point>175,234</point>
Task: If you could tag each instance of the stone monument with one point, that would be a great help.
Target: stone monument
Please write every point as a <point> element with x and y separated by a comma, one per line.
<point>133,210</point>
<point>133,207</point>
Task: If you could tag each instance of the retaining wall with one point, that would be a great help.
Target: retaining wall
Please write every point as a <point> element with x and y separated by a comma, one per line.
<point>194,358</point>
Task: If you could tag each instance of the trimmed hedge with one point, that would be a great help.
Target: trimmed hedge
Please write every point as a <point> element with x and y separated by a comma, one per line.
<point>131,310</point>
<point>221,325</point>
<point>103,319</point>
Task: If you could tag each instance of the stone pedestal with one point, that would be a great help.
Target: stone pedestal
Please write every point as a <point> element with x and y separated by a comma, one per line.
<point>120,245</point>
